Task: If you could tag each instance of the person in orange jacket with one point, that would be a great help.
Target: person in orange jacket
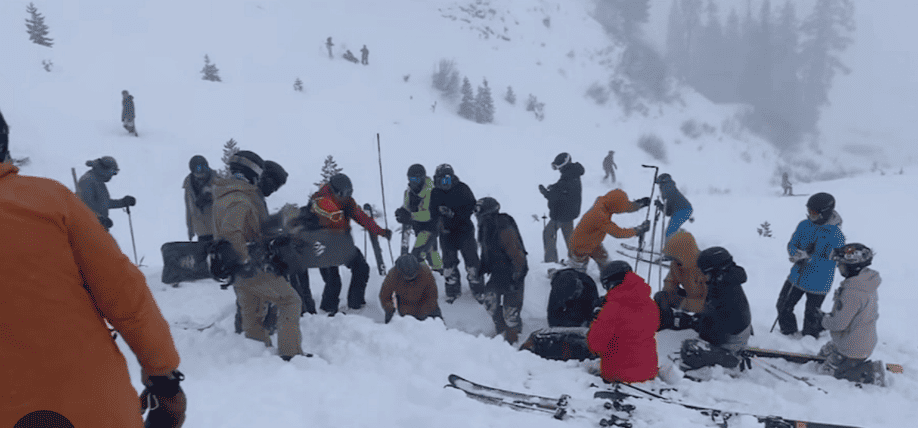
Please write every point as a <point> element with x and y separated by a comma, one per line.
<point>624,332</point>
<point>63,279</point>
<point>597,223</point>
<point>684,287</point>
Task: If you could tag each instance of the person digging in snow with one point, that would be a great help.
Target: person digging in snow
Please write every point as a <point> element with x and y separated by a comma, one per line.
<point>597,223</point>
<point>414,288</point>
<point>684,287</point>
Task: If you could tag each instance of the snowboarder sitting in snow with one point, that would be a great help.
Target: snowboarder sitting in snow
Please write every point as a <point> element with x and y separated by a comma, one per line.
<point>572,299</point>
<point>199,199</point>
<point>564,199</point>
<point>597,223</point>
<point>350,57</point>
<point>853,320</point>
<point>724,324</point>
<point>684,287</point>
<point>455,203</point>
<point>127,112</point>
<point>418,213</point>
<point>676,207</point>
<point>414,288</point>
<point>623,333</point>
<point>91,189</point>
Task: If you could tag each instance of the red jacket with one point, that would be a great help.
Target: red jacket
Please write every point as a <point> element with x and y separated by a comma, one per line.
<point>62,277</point>
<point>336,215</point>
<point>624,332</point>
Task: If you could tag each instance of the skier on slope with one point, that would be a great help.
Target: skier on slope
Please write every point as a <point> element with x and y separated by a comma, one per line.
<point>597,223</point>
<point>853,320</point>
<point>684,287</point>
<point>418,213</point>
<point>725,323</point>
<point>91,189</point>
<point>414,288</point>
<point>127,112</point>
<point>676,206</point>
<point>564,199</point>
<point>609,166</point>
<point>623,333</point>
<point>813,271</point>
<point>454,201</point>
<point>199,199</point>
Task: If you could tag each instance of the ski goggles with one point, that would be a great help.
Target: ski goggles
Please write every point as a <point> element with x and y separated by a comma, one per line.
<point>445,182</point>
<point>415,180</point>
<point>343,193</point>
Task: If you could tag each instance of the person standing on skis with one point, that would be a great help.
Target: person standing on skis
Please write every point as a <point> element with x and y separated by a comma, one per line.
<point>416,213</point>
<point>674,205</point>
<point>454,201</point>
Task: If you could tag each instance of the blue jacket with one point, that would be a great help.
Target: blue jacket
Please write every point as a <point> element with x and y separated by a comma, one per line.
<point>675,201</point>
<point>815,275</point>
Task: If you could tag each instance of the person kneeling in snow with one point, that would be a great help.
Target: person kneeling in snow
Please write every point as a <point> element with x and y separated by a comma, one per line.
<point>853,320</point>
<point>623,333</point>
<point>572,299</point>
<point>414,288</point>
<point>684,287</point>
<point>724,324</point>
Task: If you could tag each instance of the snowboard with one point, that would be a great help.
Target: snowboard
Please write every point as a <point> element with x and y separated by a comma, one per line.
<point>799,358</point>
<point>185,261</point>
<point>374,240</point>
<point>317,249</point>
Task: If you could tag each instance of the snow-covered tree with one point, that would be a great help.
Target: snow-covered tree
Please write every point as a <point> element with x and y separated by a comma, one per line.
<point>210,71</point>
<point>329,168</point>
<point>37,29</point>
<point>510,97</point>
<point>467,105</point>
<point>230,148</point>
<point>484,104</point>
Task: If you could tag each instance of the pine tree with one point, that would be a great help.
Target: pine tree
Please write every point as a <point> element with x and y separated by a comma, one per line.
<point>329,169</point>
<point>484,104</point>
<point>510,97</point>
<point>230,148</point>
<point>298,85</point>
<point>467,105</point>
<point>826,34</point>
<point>36,27</point>
<point>210,71</point>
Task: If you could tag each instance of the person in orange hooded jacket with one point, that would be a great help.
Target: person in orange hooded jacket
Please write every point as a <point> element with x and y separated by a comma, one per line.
<point>684,287</point>
<point>597,223</point>
<point>63,278</point>
<point>624,332</point>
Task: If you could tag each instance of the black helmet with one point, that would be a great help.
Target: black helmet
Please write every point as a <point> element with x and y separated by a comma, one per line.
<point>247,163</point>
<point>613,274</point>
<point>714,259</point>
<point>4,138</point>
<point>854,257</point>
<point>819,207</point>
<point>273,178</point>
<point>198,164</point>
<point>664,178</point>
<point>486,205</point>
<point>561,160</point>
<point>444,178</point>
<point>408,265</point>
<point>417,170</point>
<point>341,186</point>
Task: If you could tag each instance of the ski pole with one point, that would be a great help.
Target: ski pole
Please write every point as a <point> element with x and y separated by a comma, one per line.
<point>382,188</point>
<point>653,233</point>
<point>782,298</point>
<point>131,226</point>
<point>662,245</point>
<point>656,170</point>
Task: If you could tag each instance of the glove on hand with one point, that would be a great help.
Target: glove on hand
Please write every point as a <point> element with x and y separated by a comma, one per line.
<point>387,234</point>
<point>683,320</point>
<point>389,316</point>
<point>166,400</point>
<point>129,201</point>
<point>643,202</point>
<point>659,204</point>
<point>403,216</point>
<point>446,212</point>
<point>543,190</point>
<point>799,255</point>
<point>642,228</point>
<point>247,269</point>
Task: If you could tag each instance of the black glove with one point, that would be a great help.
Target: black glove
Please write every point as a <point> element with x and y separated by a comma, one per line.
<point>106,222</point>
<point>389,316</point>
<point>643,202</point>
<point>684,320</point>
<point>129,201</point>
<point>543,190</point>
<point>642,228</point>
<point>387,234</point>
<point>166,400</point>
<point>446,212</point>
<point>403,216</point>
<point>518,278</point>
<point>247,269</point>
<point>659,204</point>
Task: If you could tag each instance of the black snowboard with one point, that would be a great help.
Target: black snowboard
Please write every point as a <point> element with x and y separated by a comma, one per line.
<point>317,249</point>
<point>560,343</point>
<point>185,261</point>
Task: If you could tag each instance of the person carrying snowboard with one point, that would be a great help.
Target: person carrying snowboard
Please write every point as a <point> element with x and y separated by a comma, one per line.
<point>684,287</point>
<point>503,257</point>
<point>624,331</point>
<point>853,320</point>
<point>810,249</point>
<point>91,189</point>
<point>416,213</point>
<point>597,223</point>
<point>414,288</point>
<point>563,205</point>
<point>454,201</point>
<point>674,204</point>
<point>199,199</point>
<point>127,112</point>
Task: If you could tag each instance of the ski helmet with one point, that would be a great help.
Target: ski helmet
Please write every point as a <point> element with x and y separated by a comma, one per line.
<point>417,170</point>
<point>663,178</point>
<point>198,164</point>
<point>247,163</point>
<point>4,138</point>
<point>613,274</point>
<point>714,259</point>
<point>854,257</point>
<point>273,178</point>
<point>444,177</point>
<point>341,186</point>
<point>408,265</point>
<point>819,207</point>
<point>561,160</point>
<point>486,205</point>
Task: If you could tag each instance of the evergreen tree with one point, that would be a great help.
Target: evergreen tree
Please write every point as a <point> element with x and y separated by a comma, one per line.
<point>785,53</point>
<point>329,168</point>
<point>676,46</point>
<point>229,149</point>
<point>210,71</point>
<point>623,18</point>
<point>826,34</point>
<point>733,61</point>
<point>484,104</point>
<point>37,29</point>
<point>711,51</point>
<point>298,85</point>
<point>510,97</point>
<point>467,105</point>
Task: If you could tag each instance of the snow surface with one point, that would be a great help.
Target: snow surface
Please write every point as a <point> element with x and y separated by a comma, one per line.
<point>366,373</point>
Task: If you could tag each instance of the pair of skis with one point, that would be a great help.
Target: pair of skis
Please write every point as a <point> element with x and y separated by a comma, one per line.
<point>655,258</point>
<point>799,358</point>
<point>618,412</point>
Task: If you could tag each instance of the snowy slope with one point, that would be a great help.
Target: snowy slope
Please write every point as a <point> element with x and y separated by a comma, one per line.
<point>366,372</point>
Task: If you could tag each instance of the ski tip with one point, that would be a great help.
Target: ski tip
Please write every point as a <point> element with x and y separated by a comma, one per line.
<point>454,378</point>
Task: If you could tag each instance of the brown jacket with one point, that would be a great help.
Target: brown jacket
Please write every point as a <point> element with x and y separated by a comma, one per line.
<point>238,212</point>
<point>597,222</point>
<point>200,221</point>
<point>63,277</point>
<point>684,273</point>
<point>417,298</point>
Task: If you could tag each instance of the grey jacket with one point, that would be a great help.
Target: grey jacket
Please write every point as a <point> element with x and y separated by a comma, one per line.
<point>94,193</point>
<point>853,321</point>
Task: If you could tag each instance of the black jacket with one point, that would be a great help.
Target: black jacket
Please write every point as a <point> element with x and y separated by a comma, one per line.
<point>503,254</point>
<point>572,299</point>
<point>565,195</point>
<point>461,201</point>
<point>726,310</point>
